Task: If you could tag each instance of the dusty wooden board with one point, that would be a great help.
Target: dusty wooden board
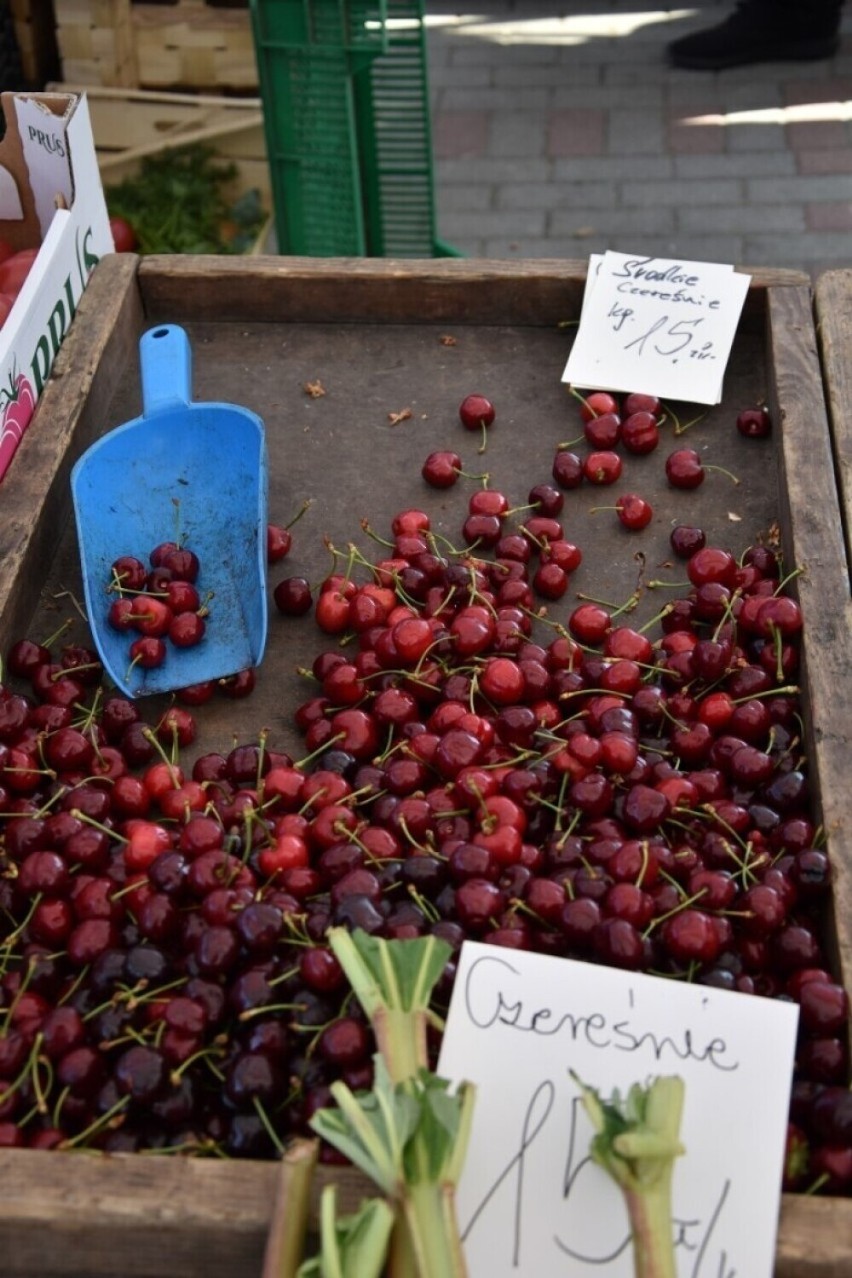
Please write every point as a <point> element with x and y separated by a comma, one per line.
<point>371,332</point>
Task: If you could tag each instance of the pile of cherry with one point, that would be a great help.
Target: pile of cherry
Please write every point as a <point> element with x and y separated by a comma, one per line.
<point>158,601</point>
<point>472,769</point>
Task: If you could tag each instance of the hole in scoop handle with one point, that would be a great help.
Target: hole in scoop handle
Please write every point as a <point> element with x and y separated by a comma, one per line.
<point>166,367</point>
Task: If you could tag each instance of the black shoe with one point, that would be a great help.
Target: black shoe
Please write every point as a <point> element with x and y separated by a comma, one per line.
<point>761,31</point>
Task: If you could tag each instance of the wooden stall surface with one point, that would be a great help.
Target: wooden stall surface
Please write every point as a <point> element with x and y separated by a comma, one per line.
<point>395,347</point>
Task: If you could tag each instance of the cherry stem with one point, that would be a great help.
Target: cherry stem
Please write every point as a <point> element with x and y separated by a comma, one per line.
<point>298,515</point>
<point>679,426</point>
<point>49,642</point>
<point>109,1119</point>
<point>572,390</point>
<point>664,612</point>
<point>301,764</point>
<point>733,478</point>
<point>270,1130</point>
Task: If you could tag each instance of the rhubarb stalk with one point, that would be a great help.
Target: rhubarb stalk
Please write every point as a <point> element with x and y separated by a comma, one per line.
<point>410,1133</point>
<point>636,1141</point>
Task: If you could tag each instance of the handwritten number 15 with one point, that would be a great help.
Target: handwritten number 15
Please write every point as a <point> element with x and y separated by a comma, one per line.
<point>681,329</point>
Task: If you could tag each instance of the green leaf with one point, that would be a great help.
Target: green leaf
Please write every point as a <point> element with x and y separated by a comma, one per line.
<point>395,974</point>
<point>353,1246</point>
<point>372,1128</point>
<point>180,202</point>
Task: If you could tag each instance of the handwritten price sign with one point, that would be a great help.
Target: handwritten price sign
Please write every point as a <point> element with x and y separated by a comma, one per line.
<point>530,1200</point>
<point>656,326</point>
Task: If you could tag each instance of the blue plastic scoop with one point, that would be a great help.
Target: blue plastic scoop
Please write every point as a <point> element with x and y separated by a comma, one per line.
<point>189,472</point>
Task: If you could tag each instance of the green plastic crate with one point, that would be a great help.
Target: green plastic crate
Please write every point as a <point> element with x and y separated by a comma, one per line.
<point>346,113</point>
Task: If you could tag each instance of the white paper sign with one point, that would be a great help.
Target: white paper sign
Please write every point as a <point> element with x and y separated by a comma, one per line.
<point>530,1201</point>
<point>656,326</point>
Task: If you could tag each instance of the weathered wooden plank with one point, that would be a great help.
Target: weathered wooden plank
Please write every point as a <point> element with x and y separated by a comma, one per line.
<point>356,290</point>
<point>35,502</point>
<point>132,1216</point>
<point>815,1238</point>
<point>813,538</point>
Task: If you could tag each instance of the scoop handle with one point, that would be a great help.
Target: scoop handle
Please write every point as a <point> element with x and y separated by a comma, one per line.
<point>166,367</point>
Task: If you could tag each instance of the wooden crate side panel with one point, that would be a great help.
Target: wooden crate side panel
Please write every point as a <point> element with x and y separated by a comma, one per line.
<point>834,332</point>
<point>814,545</point>
<point>128,1216</point>
<point>455,291</point>
<point>36,492</point>
<point>66,1215</point>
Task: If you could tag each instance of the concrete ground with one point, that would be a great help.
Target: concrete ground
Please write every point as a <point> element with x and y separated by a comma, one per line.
<point>559,130</point>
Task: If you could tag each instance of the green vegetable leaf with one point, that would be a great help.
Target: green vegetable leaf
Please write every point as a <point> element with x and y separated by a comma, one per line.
<point>353,1246</point>
<point>399,975</point>
<point>180,202</point>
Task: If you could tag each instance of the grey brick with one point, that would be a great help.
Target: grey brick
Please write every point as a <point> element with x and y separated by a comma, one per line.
<point>486,172</point>
<point>794,250</point>
<point>755,137</point>
<point>646,97</point>
<point>704,248</point>
<point>554,195</point>
<point>447,77</point>
<point>462,98</point>
<point>521,133</point>
<point>625,168</point>
<point>748,165</point>
<point>740,219</point>
<point>462,197</point>
<point>635,132</point>
<point>551,74</point>
<point>612,221</point>
<point>683,191</point>
<point>486,222</point>
<point>799,189</point>
<point>469,51</point>
<point>693,95</point>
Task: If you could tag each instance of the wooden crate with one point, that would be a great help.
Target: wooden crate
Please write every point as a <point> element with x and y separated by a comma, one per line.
<point>190,44</point>
<point>129,124</point>
<point>374,333</point>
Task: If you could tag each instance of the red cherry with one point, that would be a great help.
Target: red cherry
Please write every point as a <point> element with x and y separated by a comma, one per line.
<point>640,433</point>
<point>567,469</point>
<point>187,629</point>
<point>128,573</point>
<point>602,467</point>
<point>754,423</point>
<point>684,468</point>
<point>685,539</point>
<point>292,596</point>
<point>278,543</point>
<point>634,511</point>
<point>603,431</point>
<point>596,404</point>
<point>636,402</point>
<point>476,411</point>
<point>148,651</point>
<point>441,469</point>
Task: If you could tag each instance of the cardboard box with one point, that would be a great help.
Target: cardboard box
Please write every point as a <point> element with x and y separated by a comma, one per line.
<point>51,198</point>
